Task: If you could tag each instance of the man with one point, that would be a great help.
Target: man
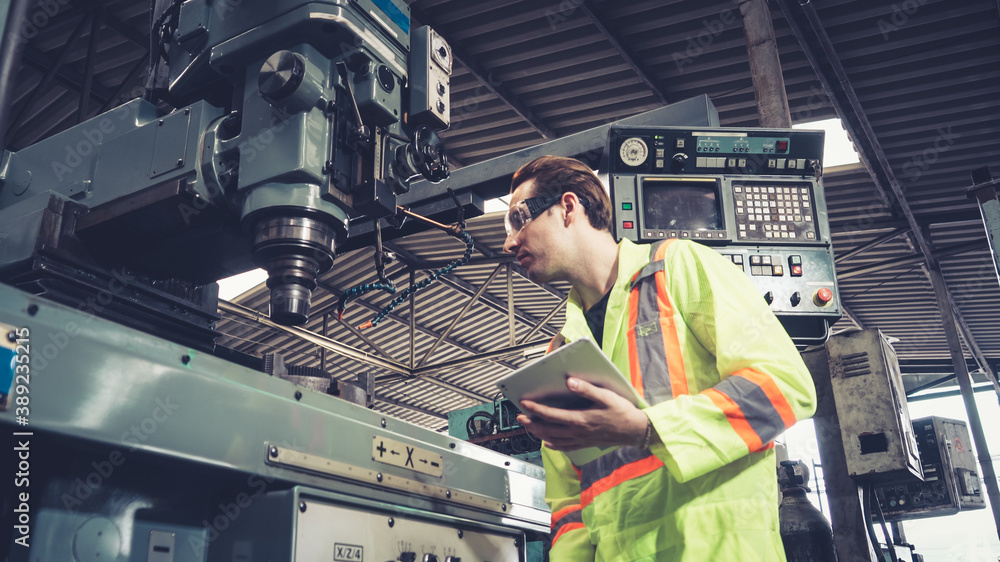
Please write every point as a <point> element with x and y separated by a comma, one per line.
<point>694,479</point>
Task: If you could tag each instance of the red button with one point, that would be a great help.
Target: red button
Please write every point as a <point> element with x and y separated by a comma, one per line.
<point>797,270</point>
<point>782,145</point>
<point>824,296</point>
<point>627,224</point>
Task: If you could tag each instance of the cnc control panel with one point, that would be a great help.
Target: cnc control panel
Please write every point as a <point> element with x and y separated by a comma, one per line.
<point>755,195</point>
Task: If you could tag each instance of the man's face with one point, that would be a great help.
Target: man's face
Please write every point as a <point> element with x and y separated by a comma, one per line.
<point>536,246</point>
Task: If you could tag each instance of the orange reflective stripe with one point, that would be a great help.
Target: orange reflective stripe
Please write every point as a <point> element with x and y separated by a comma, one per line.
<point>774,394</point>
<point>565,529</point>
<point>634,368</point>
<point>671,343</point>
<point>555,343</point>
<point>564,512</point>
<point>736,418</point>
<point>661,250</point>
<point>623,474</point>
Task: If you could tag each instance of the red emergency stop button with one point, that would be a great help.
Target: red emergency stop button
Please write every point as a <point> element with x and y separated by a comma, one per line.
<point>823,297</point>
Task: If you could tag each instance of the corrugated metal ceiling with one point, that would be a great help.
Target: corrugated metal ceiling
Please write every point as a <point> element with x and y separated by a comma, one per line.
<point>926,76</point>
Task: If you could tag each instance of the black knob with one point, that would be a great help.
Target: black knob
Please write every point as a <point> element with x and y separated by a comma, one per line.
<point>814,167</point>
<point>678,162</point>
<point>769,297</point>
<point>430,558</point>
<point>796,298</point>
<point>281,75</point>
<point>407,557</point>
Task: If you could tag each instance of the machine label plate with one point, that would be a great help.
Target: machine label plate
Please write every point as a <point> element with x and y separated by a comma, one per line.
<point>397,453</point>
<point>348,553</point>
<point>296,460</point>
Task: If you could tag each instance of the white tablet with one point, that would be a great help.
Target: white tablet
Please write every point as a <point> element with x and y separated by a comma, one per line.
<point>544,380</point>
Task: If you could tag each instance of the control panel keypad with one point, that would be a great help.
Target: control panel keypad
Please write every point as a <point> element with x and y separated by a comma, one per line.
<point>774,212</point>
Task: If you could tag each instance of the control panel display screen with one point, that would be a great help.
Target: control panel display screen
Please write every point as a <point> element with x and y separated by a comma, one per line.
<point>690,205</point>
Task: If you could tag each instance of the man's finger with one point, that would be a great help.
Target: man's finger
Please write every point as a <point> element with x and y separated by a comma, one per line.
<point>589,391</point>
<point>545,413</point>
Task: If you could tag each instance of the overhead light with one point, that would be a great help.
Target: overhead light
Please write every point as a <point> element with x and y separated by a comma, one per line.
<point>838,150</point>
<point>232,287</point>
<point>535,351</point>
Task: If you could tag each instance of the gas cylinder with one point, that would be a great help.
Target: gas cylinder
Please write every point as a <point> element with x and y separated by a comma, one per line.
<point>806,534</point>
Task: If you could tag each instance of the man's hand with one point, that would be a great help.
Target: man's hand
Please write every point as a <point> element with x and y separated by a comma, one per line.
<point>611,420</point>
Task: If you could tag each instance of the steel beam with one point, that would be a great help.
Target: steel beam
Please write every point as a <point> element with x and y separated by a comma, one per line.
<point>124,30</point>
<point>984,191</point>
<point>488,356</point>
<point>361,336</point>
<point>311,337</point>
<point>12,15</point>
<point>965,384</point>
<point>454,282</point>
<point>396,318</point>
<point>413,319</point>
<point>873,244</point>
<point>88,74</point>
<point>587,7</point>
<point>67,76</point>
<point>468,306</point>
<point>817,46</point>
<point>765,68</point>
<point>541,323</point>
<point>322,350</point>
<point>491,178</point>
<point>947,393</point>
<point>46,81</point>
<point>341,349</point>
<point>408,406</point>
<point>818,50</point>
<point>852,317</point>
<point>970,343</point>
<point>410,321</point>
<point>914,259</point>
<point>861,226</point>
<point>140,64</point>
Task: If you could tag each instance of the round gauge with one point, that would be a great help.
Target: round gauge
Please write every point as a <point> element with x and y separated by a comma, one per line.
<point>441,52</point>
<point>633,151</point>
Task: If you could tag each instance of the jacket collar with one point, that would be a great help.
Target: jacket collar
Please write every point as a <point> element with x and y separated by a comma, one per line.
<point>631,259</point>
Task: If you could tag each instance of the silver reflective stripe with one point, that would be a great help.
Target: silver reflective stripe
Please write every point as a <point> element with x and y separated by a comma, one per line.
<point>652,354</point>
<point>760,413</point>
<point>571,517</point>
<point>649,346</point>
<point>602,467</point>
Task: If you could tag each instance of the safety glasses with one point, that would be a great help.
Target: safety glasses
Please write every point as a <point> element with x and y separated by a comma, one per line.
<point>526,210</point>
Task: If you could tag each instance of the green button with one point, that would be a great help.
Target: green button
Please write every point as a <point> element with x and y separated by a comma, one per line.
<point>626,206</point>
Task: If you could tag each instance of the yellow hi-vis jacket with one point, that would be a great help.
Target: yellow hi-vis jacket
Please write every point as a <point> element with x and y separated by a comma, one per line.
<point>722,378</point>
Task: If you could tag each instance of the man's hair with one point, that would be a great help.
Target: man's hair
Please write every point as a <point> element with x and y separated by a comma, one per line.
<point>555,175</point>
